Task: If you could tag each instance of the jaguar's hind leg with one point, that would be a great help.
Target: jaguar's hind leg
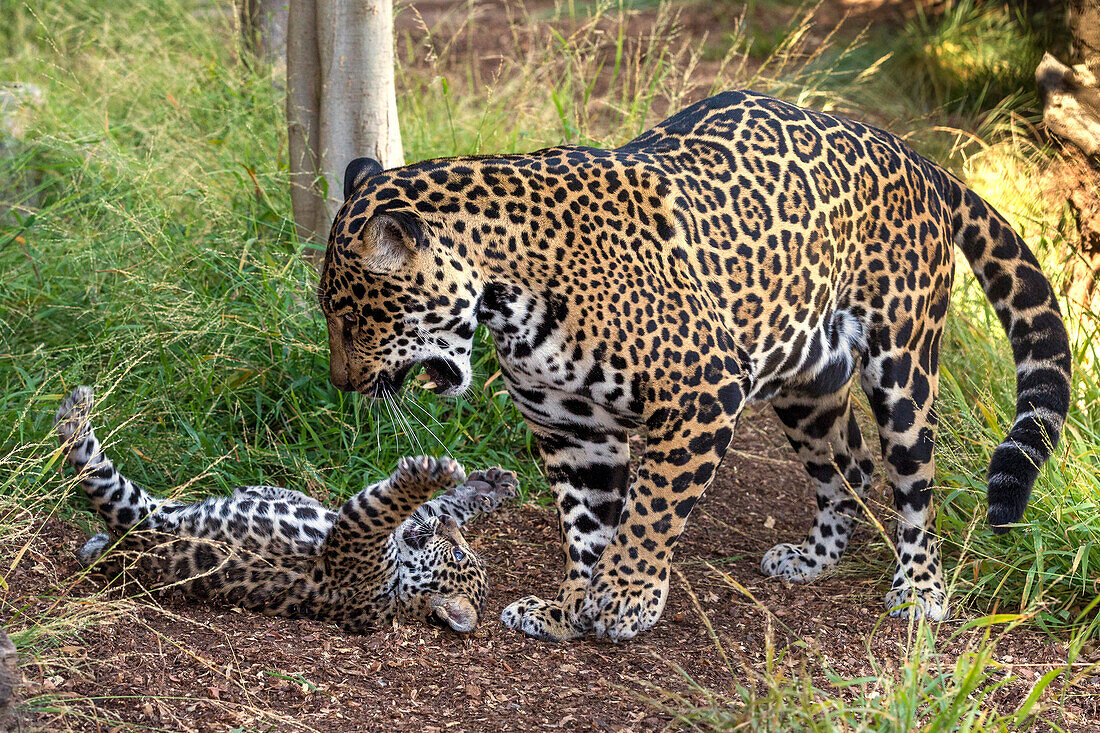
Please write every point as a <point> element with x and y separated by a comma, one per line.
<point>100,554</point>
<point>902,391</point>
<point>824,433</point>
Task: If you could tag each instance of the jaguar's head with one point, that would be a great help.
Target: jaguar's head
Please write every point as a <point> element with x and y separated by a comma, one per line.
<point>442,580</point>
<point>395,293</point>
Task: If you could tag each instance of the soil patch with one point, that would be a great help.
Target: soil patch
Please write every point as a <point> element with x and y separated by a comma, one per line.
<point>173,664</point>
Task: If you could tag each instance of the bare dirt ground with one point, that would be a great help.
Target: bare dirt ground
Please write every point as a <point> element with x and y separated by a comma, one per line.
<point>176,665</point>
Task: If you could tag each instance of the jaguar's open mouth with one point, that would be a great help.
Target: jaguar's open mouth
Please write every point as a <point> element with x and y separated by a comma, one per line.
<point>389,384</point>
<point>415,536</point>
<point>443,375</point>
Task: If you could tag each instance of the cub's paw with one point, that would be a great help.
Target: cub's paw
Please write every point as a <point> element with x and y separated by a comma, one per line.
<point>71,420</point>
<point>438,473</point>
<point>790,562</point>
<point>929,603</point>
<point>621,607</point>
<point>543,620</point>
<point>488,489</point>
<point>93,549</point>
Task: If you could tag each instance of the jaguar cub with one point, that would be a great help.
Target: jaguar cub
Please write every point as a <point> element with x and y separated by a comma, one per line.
<point>387,553</point>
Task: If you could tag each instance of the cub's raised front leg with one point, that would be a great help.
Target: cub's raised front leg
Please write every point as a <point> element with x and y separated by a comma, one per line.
<point>482,492</point>
<point>367,520</point>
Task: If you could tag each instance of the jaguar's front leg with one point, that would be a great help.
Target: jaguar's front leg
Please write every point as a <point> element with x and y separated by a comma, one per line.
<point>629,587</point>
<point>588,472</point>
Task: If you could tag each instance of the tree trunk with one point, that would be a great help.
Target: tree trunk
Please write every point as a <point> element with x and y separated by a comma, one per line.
<point>341,102</point>
<point>1071,102</point>
<point>1071,93</point>
<point>1071,111</point>
<point>264,27</point>
<point>303,94</point>
<point>10,718</point>
<point>18,184</point>
<point>1083,19</point>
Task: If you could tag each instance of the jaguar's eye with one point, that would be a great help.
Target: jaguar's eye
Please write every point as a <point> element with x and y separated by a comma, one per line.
<point>349,318</point>
<point>459,555</point>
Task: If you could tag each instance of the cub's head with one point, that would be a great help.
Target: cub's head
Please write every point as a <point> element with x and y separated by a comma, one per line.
<point>442,579</point>
<point>394,291</point>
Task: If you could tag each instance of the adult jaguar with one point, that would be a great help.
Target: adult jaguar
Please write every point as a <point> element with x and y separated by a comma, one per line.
<point>744,249</point>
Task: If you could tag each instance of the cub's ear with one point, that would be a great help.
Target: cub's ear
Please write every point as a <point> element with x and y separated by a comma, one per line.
<point>358,171</point>
<point>389,238</point>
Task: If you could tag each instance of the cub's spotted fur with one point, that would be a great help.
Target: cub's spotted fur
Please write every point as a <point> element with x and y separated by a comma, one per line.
<point>744,249</point>
<point>387,553</point>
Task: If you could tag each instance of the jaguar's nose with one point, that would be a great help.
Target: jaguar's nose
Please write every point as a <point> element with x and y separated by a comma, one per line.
<point>343,384</point>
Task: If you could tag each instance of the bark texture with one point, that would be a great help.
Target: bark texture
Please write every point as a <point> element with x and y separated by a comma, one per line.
<point>264,27</point>
<point>18,185</point>
<point>1083,19</point>
<point>1083,198</point>
<point>10,717</point>
<point>1071,102</point>
<point>341,102</point>
<point>1071,111</point>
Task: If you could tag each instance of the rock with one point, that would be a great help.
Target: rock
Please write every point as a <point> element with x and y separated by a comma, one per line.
<point>1071,102</point>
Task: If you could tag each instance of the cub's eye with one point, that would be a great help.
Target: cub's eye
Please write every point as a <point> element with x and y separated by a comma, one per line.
<point>349,318</point>
<point>459,555</point>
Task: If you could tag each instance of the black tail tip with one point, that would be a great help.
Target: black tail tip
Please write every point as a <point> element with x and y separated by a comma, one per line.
<point>1003,515</point>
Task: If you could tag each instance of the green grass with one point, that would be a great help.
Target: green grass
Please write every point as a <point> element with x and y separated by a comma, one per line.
<point>976,55</point>
<point>921,689</point>
<point>1049,564</point>
<point>160,265</point>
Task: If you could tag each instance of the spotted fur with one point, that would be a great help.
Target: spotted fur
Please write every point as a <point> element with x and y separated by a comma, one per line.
<point>744,249</point>
<point>388,553</point>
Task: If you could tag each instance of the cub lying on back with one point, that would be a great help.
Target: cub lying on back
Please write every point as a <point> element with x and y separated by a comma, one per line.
<point>387,553</point>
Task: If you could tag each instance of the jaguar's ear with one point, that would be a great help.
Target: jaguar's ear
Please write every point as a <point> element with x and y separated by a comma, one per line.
<point>358,171</point>
<point>389,238</point>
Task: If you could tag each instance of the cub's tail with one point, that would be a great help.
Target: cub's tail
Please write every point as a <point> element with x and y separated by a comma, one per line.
<point>1028,309</point>
<point>122,503</point>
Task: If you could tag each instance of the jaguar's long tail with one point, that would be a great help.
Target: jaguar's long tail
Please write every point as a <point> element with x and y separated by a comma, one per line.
<point>1028,309</point>
<point>122,503</point>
